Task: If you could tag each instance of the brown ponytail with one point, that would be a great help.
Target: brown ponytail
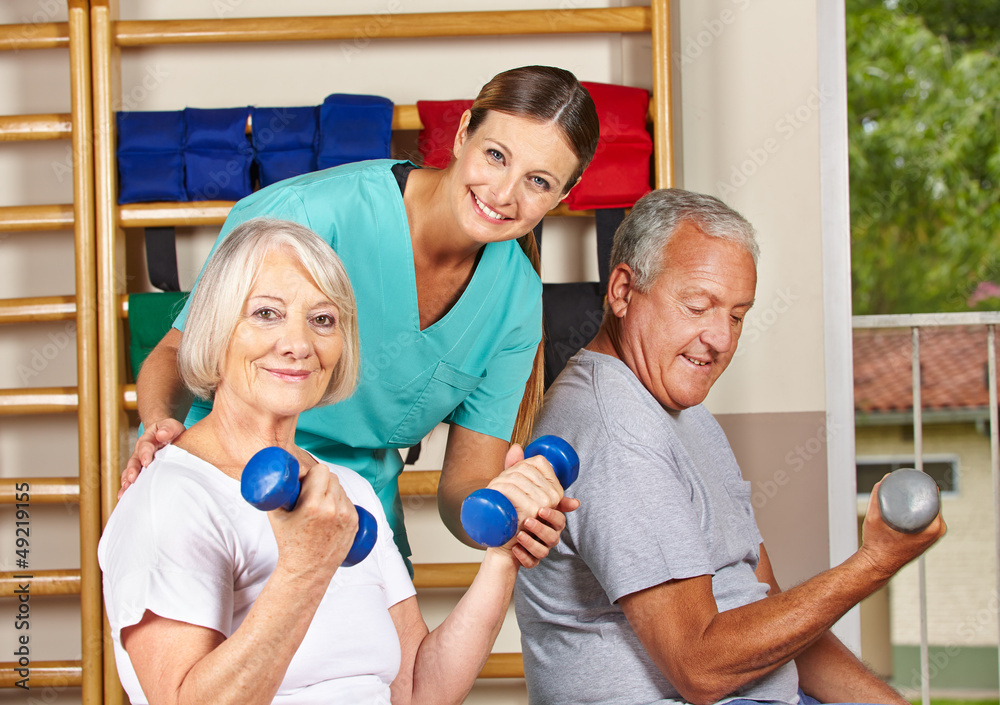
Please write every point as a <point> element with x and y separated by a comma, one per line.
<point>531,402</point>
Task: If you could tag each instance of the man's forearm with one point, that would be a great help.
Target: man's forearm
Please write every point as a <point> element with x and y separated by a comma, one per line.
<point>773,631</point>
<point>708,655</point>
<point>830,672</point>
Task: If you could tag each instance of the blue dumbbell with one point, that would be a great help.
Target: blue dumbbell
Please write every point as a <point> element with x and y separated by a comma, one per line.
<point>489,518</point>
<point>271,480</point>
<point>908,500</point>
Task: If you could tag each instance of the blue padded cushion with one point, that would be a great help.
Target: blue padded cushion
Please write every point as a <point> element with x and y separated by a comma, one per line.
<point>284,142</point>
<point>217,154</point>
<point>353,128</point>
<point>150,161</point>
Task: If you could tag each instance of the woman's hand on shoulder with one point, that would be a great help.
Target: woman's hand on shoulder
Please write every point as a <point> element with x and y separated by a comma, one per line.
<point>540,534</point>
<point>315,536</point>
<point>154,437</point>
<point>533,489</point>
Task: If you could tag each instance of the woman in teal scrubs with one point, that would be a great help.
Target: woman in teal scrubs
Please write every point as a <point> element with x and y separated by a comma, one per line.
<point>449,304</point>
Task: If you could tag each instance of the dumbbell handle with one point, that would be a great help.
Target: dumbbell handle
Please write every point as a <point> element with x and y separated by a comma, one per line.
<point>271,480</point>
<point>490,519</point>
<point>909,500</point>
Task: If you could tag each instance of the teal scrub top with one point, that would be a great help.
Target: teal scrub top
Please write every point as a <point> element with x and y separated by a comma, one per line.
<point>469,368</point>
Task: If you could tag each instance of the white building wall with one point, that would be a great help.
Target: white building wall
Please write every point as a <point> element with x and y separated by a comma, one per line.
<point>961,568</point>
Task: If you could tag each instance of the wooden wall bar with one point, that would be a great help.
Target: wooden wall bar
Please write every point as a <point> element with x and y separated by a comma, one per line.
<point>44,490</point>
<point>26,218</point>
<point>81,307</point>
<point>53,674</point>
<point>35,35</point>
<point>42,582</point>
<point>41,400</point>
<point>404,25</point>
<point>38,308</point>
<point>22,128</point>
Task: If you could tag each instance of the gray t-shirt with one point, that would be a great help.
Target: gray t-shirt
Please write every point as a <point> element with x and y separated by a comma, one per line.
<point>662,498</point>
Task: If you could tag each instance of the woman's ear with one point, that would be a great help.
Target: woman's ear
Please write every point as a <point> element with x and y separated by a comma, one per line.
<point>575,184</point>
<point>463,132</point>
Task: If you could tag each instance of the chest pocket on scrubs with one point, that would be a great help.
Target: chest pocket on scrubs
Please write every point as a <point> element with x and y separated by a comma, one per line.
<point>447,388</point>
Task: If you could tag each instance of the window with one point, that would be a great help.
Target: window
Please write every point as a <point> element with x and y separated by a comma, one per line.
<point>944,471</point>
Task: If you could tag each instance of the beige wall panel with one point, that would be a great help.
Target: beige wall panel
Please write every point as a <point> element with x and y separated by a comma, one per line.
<point>749,122</point>
<point>784,456</point>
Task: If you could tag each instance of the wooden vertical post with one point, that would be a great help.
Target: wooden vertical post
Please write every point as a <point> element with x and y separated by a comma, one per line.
<point>110,282</point>
<point>86,350</point>
<point>662,118</point>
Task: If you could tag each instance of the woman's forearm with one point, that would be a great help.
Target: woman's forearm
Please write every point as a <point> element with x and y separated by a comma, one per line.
<point>450,658</point>
<point>160,394</point>
<point>471,460</point>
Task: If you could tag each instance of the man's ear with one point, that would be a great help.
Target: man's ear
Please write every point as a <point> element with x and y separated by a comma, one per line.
<point>621,282</point>
<point>463,132</point>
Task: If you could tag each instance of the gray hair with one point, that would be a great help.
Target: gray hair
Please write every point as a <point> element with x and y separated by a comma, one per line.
<point>643,235</point>
<point>226,282</point>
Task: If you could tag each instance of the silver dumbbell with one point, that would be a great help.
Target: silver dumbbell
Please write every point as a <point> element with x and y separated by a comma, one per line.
<point>909,500</point>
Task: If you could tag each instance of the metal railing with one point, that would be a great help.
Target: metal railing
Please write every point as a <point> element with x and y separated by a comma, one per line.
<point>917,322</point>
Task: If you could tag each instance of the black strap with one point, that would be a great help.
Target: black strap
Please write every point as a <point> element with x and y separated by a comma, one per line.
<point>161,259</point>
<point>608,220</point>
<point>413,454</point>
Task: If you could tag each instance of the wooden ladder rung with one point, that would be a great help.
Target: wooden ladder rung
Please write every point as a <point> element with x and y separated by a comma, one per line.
<point>46,217</point>
<point>70,673</point>
<point>67,582</point>
<point>39,35</point>
<point>503,665</point>
<point>151,215</point>
<point>398,26</point>
<point>23,128</point>
<point>129,402</point>
<point>165,214</point>
<point>38,308</point>
<point>419,483</point>
<point>41,582</point>
<point>41,490</point>
<point>412,483</point>
<point>444,575</point>
<point>40,400</point>
<point>66,674</point>
<point>404,117</point>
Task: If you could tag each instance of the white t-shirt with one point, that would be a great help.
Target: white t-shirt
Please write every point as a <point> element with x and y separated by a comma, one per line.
<point>184,544</point>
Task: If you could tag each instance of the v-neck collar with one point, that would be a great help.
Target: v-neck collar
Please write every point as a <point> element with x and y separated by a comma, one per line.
<point>483,279</point>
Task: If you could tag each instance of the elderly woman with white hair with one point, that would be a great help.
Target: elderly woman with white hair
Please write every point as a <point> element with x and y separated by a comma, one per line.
<point>211,600</point>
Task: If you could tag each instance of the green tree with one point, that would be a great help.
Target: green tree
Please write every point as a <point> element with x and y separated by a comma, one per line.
<point>974,24</point>
<point>924,162</point>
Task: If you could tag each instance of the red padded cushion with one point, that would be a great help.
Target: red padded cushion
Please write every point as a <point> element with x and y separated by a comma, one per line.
<point>440,119</point>
<point>619,174</point>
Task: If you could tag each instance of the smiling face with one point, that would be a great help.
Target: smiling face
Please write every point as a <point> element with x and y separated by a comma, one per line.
<point>508,174</point>
<point>286,345</point>
<point>680,336</point>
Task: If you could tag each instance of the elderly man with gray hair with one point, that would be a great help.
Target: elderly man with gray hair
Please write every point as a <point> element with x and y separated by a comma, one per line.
<point>661,590</point>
